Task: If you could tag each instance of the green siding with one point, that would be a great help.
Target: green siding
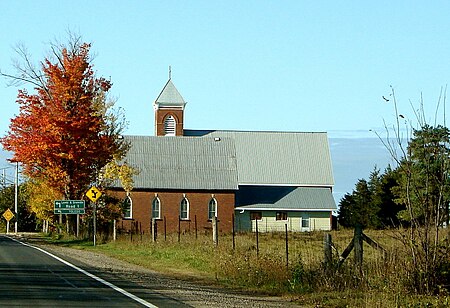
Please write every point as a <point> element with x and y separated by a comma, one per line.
<point>268,223</point>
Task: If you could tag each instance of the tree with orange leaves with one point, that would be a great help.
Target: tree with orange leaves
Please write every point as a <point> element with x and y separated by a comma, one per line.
<point>66,131</point>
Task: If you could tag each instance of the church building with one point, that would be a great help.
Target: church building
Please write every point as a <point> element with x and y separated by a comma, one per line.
<point>243,178</point>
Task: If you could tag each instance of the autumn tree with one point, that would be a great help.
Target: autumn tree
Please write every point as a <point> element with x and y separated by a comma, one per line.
<point>40,198</point>
<point>67,130</point>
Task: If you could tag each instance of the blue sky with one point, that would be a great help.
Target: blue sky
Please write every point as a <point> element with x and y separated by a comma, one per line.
<point>252,65</point>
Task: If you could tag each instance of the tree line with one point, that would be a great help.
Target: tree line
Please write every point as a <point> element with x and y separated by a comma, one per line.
<point>420,180</point>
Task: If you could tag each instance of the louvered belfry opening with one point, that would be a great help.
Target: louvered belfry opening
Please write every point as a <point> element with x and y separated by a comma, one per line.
<point>170,126</point>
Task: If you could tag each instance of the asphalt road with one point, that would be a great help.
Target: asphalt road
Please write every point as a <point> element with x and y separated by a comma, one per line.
<point>31,277</point>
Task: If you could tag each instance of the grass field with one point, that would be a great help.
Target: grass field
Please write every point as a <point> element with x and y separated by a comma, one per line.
<point>265,268</point>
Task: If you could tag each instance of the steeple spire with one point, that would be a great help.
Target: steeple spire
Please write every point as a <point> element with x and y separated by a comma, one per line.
<point>169,110</point>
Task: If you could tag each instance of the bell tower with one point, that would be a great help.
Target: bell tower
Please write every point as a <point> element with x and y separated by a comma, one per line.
<point>169,111</point>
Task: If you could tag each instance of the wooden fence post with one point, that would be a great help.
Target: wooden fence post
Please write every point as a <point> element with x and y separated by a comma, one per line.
<point>195,224</point>
<point>154,230</point>
<point>114,230</point>
<point>358,242</point>
<point>287,247</point>
<point>165,229</point>
<point>327,243</point>
<point>215,231</point>
<point>257,238</point>
<point>179,229</point>
<point>233,232</point>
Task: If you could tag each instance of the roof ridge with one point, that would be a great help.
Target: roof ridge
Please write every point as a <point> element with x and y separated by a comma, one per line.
<point>253,131</point>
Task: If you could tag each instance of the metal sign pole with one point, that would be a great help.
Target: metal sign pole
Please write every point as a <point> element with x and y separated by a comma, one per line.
<point>95,222</point>
<point>78,225</point>
<point>93,194</point>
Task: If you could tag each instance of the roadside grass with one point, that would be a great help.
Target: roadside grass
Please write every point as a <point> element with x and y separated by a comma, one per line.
<point>265,268</point>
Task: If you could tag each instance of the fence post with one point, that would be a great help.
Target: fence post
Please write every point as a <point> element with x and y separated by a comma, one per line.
<point>154,230</point>
<point>327,242</point>
<point>195,223</point>
<point>214,231</point>
<point>233,231</point>
<point>165,229</point>
<point>257,239</point>
<point>358,242</point>
<point>114,230</point>
<point>287,247</point>
<point>179,228</point>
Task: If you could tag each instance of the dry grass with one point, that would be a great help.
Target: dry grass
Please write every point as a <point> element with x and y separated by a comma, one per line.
<point>382,282</point>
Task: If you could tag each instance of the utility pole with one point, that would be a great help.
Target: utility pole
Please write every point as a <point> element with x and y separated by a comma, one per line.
<point>4,181</point>
<point>16,195</point>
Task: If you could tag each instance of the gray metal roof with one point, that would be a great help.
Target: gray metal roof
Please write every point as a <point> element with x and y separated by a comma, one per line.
<point>285,198</point>
<point>183,163</point>
<point>170,96</point>
<point>279,158</point>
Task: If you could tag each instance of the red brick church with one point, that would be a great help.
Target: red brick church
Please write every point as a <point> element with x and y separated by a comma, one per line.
<point>187,177</point>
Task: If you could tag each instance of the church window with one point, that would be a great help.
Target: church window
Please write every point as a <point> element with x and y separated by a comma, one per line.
<point>184,209</point>
<point>127,208</point>
<point>156,208</point>
<point>169,126</point>
<point>212,209</point>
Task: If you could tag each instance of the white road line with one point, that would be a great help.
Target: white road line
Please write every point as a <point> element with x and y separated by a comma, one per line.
<point>109,284</point>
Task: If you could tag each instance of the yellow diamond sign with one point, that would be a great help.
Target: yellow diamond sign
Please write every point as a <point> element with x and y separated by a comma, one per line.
<point>8,215</point>
<point>93,193</point>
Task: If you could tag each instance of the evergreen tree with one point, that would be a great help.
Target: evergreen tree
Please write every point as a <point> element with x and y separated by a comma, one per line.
<point>345,210</point>
<point>358,208</point>
<point>424,185</point>
<point>389,209</point>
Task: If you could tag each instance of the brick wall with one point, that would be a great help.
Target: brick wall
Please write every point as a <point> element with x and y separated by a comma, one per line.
<point>170,210</point>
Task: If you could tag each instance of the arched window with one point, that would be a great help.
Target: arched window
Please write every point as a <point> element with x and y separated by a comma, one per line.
<point>156,208</point>
<point>169,126</point>
<point>184,208</point>
<point>127,208</point>
<point>212,208</point>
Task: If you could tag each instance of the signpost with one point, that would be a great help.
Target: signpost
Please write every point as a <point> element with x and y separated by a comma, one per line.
<point>69,207</point>
<point>93,194</point>
<point>8,215</point>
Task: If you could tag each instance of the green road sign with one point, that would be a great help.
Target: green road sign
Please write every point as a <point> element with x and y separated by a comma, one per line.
<point>69,207</point>
<point>70,211</point>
